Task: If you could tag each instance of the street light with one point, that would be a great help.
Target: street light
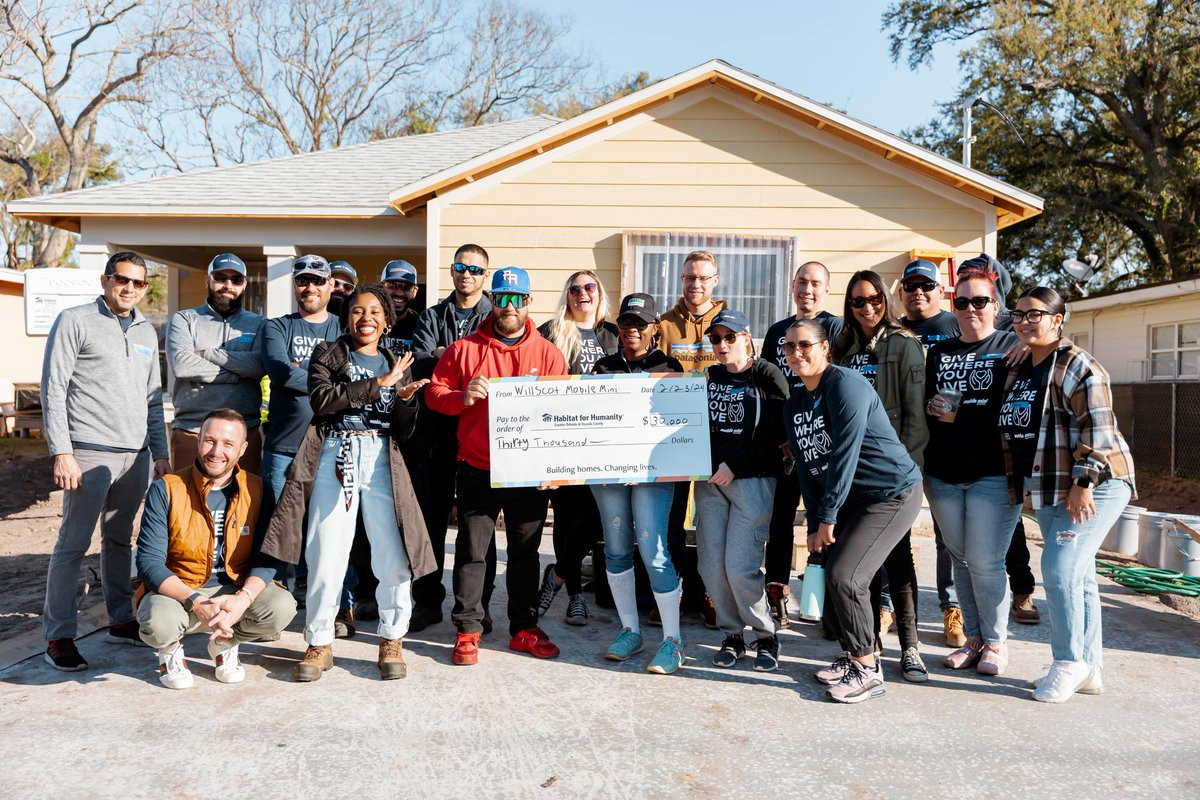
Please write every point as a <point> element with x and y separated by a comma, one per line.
<point>968,137</point>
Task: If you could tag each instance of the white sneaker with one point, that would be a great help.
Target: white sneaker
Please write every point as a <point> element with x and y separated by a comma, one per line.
<point>173,671</point>
<point>225,659</point>
<point>1063,680</point>
<point>1092,684</point>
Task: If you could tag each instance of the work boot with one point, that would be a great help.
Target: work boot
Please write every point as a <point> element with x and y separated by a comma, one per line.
<point>886,620</point>
<point>423,617</point>
<point>343,624</point>
<point>708,612</point>
<point>391,659</point>
<point>778,595</point>
<point>318,658</point>
<point>1024,611</point>
<point>952,627</point>
<point>366,610</point>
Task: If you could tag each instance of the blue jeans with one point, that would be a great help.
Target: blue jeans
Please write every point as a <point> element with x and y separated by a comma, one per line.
<point>644,509</point>
<point>977,524</point>
<point>1069,571</point>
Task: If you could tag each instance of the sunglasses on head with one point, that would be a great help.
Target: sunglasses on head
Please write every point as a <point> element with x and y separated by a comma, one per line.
<point>717,338</point>
<point>919,286</point>
<point>510,299</point>
<point>631,323</point>
<point>125,280</point>
<point>229,277</point>
<point>577,290</point>
<point>858,302</point>
<point>461,268</point>
<point>309,280</point>
<point>1033,316</point>
<point>977,303</point>
<point>403,286</point>
<point>792,348</point>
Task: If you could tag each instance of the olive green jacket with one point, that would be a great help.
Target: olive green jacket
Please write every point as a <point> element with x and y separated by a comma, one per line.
<point>900,384</point>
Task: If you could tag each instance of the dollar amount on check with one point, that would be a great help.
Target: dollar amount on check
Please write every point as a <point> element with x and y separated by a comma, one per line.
<point>598,429</point>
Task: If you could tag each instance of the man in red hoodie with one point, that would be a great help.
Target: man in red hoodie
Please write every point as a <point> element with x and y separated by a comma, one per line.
<point>506,345</point>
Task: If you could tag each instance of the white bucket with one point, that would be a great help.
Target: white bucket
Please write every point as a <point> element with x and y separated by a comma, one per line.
<point>1123,538</point>
<point>1181,553</point>
<point>1150,549</point>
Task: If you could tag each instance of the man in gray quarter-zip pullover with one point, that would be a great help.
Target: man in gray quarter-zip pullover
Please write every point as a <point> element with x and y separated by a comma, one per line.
<point>214,357</point>
<point>103,418</point>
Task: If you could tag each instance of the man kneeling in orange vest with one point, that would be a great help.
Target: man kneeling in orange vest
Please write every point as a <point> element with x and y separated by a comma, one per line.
<point>199,561</point>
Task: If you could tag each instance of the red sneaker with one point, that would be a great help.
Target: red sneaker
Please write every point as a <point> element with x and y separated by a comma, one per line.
<point>466,649</point>
<point>535,642</point>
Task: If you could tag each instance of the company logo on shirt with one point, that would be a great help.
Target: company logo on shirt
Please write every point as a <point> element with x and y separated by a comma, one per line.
<point>302,348</point>
<point>980,380</point>
<point>1017,411</point>
<point>972,374</point>
<point>812,439</point>
<point>727,404</point>
<point>143,351</point>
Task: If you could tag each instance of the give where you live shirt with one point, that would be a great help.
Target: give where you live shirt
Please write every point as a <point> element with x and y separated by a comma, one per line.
<point>218,505</point>
<point>745,414</point>
<point>776,335</point>
<point>967,448</point>
<point>1021,412</point>
<point>376,416</point>
<point>846,450</point>
<point>288,344</point>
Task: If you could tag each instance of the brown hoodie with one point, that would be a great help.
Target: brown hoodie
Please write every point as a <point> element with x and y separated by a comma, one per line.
<point>683,336</point>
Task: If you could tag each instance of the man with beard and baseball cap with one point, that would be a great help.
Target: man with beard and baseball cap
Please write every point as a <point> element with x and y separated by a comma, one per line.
<point>343,279</point>
<point>399,278</point>
<point>506,344</point>
<point>214,359</point>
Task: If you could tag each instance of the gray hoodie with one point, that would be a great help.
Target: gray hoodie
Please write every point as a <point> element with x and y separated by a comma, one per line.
<point>225,376</point>
<point>101,386</point>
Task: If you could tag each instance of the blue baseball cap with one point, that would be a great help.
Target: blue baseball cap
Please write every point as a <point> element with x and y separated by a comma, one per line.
<point>345,268</point>
<point>510,280</point>
<point>399,270</point>
<point>921,269</point>
<point>227,262</point>
<point>736,321</point>
<point>311,265</point>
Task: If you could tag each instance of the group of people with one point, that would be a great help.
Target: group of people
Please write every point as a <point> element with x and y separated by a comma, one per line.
<point>377,428</point>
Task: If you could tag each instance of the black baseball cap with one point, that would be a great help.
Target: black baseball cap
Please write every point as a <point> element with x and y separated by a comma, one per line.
<point>639,305</point>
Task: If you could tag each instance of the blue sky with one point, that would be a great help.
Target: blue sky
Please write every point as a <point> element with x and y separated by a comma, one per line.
<point>832,52</point>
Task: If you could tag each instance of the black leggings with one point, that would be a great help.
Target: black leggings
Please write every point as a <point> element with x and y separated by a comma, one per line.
<point>782,536</point>
<point>902,580</point>
<point>1016,562</point>
<point>576,529</point>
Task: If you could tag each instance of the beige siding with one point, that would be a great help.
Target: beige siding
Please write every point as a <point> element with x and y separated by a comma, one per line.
<point>1120,336</point>
<point>711,167</point>
<point>22,354</point>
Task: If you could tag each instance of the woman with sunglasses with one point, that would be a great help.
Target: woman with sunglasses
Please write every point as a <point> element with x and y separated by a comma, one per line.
<point>862,492</point>
<point>362,399</point>
<point>640,510</point>
<point>964,469</point>
<point>733,508</point>
<point>1058,424</point>
<point>883,351</point>
<point>583,335</point>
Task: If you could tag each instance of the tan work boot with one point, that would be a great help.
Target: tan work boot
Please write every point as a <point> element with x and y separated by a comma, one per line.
<point>887,619</point>
<point>952,624</point>
<point>1024,611</point>
<point>391,659</point>
<point>318,658</point>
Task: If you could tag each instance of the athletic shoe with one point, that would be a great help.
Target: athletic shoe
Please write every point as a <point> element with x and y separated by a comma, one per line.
<point>391,659</point>
<point>952,627</point>
<point>835,671</point>
<point>1063,680</point>
<point>767,659</point>
<point>858,684</point>
<point>732,648</point>
<point>366,610</point>
<point>535,642</point>
<point>627,643</point>
<point>125,633</point>
<point>1093,684</point>
<point>225,659</point>
<point>668,659</point>
<point>993,659</point>
<point>1024,611</point>
<point>778,595</point>
<point>317,659</point>
<point>887,619</point>
<point>343,624</point>
<point>708,612</point>
<point>912,667</point>
<point>423,617</point>
<point>300,591</point>
<point>965,656</point>
<point>173,671</point>
<point>466,649</point>
<point>549,590</point>
<point>63,655</point>
<point>577,613</point>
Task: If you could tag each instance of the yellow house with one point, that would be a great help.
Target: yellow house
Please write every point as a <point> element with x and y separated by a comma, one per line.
<point>713,157</point>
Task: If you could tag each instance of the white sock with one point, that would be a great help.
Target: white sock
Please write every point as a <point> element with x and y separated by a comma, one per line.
<point>668,609</point>
<point>624,592</point>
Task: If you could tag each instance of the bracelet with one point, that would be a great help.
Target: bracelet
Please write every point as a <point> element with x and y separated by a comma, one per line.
<point>242,590</point>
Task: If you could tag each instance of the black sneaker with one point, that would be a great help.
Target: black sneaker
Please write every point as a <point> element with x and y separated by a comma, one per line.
<point>125,633</point>
<point>577,613</point>
<point>767,659</point>
<point>549,590</point>
<point>912,667</point>
<point>733,648</point>
<point>63,655</point>
<point>423,617</point>
<point>366,610</point>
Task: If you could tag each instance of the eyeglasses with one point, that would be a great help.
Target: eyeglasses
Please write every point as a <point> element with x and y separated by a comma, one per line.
<point>792,348</point>
<point>345,286</point>
<point>1033,316</point>
<point>577,290</point>
<point>511,299</point>
<point>875,300</point>
<point>309,280</point>
<point>919,286</point>
<point>631,324</point>
<point>399,286</point>
<point>229,277</point>
<point>461,268</point>
<point>125,280</point>
<point>728,338</point>
<point>705,279</point>
<point>977,303</point>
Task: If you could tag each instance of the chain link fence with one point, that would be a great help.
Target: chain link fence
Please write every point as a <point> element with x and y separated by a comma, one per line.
<point>1161,422</point>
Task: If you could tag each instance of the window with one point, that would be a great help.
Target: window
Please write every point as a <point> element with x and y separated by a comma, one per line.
<point>1081,340</point>
<point>1175,350</point>
<point>755,270</point>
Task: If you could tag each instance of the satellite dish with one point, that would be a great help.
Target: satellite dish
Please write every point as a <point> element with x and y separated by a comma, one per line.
<point>1081,271</point>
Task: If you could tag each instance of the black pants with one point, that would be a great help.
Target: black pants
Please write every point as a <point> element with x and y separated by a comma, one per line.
<point>901,576</point>
<point>865,537</point>
<point>1016,562</point>
<point>479,506</point>
<point>781,539</point>
<point>576,529</point>
<point>683,557</point>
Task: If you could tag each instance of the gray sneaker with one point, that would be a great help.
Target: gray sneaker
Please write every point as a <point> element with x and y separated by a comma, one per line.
<point>912,667</point>
<point>858,684</point>
<point>835,671</point>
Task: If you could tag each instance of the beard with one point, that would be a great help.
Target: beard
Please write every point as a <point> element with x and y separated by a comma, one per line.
<point>509,325</point>
<point>209,472</point>
<point>224,305</point>
<point>336,301</point>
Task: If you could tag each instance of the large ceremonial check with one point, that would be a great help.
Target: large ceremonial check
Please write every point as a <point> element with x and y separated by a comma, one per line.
<point>637,428</point>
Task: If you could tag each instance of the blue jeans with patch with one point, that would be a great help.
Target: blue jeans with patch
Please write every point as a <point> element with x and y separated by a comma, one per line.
<point>638,513</point>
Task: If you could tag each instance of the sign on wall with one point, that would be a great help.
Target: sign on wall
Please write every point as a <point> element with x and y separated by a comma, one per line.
<point>48,291</point>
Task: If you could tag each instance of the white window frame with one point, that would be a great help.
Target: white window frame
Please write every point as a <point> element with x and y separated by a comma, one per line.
<point>1175,350</point>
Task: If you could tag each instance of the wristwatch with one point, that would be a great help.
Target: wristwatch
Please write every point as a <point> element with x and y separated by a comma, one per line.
<point>191,601</point>
<point>1083,483</point>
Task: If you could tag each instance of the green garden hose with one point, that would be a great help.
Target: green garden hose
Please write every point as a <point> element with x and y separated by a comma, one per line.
<point>1150,580</point>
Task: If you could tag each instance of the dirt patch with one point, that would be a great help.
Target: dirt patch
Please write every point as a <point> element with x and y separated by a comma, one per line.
<point>1161,493</point>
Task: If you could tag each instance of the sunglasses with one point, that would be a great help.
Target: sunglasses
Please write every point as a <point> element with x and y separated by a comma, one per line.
<point>1033,316</point>
<point>309,280</point>
<point>631,324</point>
<point>510,299</point>
<point>792,348</point>
<point>345,286</point>
<point>875,300</point>
<point>461,268</point>
<point>919,286</point>
<point>577,290</point>
<point>399,286</point>
<point>728,338</point>
<point>125,280</point>
<point>977,303</point>
<point>234,278</point>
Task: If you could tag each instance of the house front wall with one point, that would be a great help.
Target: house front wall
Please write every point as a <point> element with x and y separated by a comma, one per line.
<point>712,162</point>
<point>1119,336</point>
<point>23,354</point>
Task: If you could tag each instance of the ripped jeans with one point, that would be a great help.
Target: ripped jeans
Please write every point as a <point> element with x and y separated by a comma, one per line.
<point>1069,571</point>
<point>642,509</point>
